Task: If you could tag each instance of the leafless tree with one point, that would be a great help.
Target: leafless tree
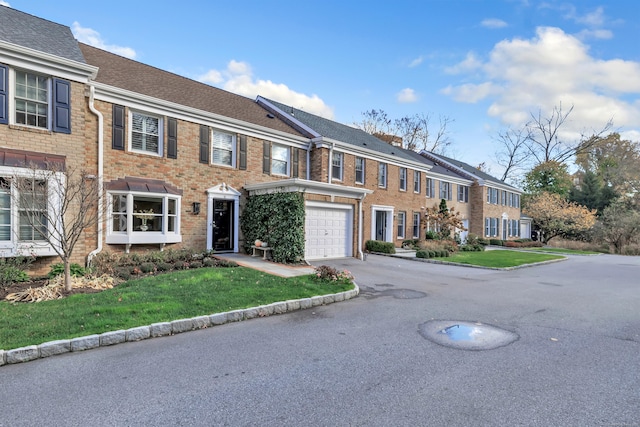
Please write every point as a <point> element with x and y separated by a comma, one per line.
<point>546,145</point>
<point>512,151</point>
<point>56,206</point>
<point>415,130</point>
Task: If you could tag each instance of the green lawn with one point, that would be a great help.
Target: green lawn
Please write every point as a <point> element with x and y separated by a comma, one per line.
<point>499,258</point>
<point>562,251</point>
<point>161,298</point>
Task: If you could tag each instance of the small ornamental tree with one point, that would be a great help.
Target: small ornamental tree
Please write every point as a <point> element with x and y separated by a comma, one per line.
<point>555,216</point>
<point>56,206</point>
<point>619,225</point>
<point>443,219</point>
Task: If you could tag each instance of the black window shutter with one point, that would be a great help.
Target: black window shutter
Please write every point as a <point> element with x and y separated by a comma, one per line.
<point>294,162</point>
<point>61,106</point>
<point>266,157</point>
<point>204,144</point>
<point>242,158</point>
<point>172,139</point>
<point>117,139</point>
<point>4,102</point>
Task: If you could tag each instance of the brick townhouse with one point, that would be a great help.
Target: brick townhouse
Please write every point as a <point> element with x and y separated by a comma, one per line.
<point>179,159</point>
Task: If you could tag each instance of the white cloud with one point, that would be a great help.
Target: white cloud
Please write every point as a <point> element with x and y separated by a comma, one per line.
<point>4,3</point>
<point>406,96</point>
<point>470,63</point>
<point>92,37</point>
<point>493,23</point>
<point>416,62</point>
<point>595,34</point>
<point>238,78</point>
<point>523,76</point>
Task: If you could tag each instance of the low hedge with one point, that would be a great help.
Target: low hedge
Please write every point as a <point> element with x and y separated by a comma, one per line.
<point>380,247</point>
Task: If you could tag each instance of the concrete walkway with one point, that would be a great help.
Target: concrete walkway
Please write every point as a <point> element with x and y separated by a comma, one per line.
<point>257,263</point>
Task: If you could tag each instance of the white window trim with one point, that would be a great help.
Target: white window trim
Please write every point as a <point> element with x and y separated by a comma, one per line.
<point>413,225</point>
<point>11,96</point>
<point>402,214</point>
<point>389,225</point>
<point>234,148</point>
<point>386,173</point>
<point>363,170</point>
<point>402,182</point>
<point>133,237</point>
<point>337,155</point>
<point>417,177</point>
<point>16,247</point>
<point>288,160</point>
<point>160,151</point>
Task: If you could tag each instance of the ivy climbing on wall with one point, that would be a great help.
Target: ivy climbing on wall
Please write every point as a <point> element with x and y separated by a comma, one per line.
<point>277,219</point>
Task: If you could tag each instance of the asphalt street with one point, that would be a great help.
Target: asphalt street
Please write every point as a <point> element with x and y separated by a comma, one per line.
<point>364,362</point>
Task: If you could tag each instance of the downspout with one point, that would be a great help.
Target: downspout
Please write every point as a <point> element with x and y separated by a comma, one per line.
<point>100,172</point>
<point>309,160</point>
<point>360,228</point>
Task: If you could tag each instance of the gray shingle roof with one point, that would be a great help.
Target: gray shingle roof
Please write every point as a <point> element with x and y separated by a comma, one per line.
<point>124,73</point>
<point>472,170</point>
<point>340,132</point>
<point>436,168</point>
<point>39,34</point>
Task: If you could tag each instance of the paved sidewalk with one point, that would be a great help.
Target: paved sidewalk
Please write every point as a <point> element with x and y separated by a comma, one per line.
<point>257,263</point>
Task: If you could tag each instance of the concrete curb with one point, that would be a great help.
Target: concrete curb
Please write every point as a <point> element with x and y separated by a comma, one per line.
<point>52,348</point>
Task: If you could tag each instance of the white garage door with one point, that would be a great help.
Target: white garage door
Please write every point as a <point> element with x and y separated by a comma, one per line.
<point>328,231</point>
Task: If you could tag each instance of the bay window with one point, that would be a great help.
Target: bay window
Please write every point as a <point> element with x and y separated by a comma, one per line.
<point>144,218</point>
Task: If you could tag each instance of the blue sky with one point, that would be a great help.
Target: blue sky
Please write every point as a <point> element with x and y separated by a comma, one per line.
<point>484,64</point>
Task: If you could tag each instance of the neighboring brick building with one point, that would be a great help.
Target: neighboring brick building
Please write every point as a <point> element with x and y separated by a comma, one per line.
<point>179,159</point>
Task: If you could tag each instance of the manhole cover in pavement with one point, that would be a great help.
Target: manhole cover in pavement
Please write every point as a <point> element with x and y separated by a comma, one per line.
<point>466,335</point>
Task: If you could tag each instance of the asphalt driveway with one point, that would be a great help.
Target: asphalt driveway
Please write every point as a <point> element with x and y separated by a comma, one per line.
<point>363,362</point>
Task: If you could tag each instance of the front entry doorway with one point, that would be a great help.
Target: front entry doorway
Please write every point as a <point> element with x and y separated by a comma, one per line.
<point>222,226</point>
<point>381,225</point>
<point>223,207</point>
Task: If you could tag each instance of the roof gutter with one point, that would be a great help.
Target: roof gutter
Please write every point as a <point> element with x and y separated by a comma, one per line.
<point>100,172</point>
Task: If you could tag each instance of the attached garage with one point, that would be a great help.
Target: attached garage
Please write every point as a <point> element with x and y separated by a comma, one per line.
<point>328,230</point>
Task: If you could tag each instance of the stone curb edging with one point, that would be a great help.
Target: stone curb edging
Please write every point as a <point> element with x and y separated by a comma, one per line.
<point>52,348</point>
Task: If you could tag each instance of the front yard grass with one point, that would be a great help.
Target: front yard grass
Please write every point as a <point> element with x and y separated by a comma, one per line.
<point>152,299</point>
<point>499,258</point>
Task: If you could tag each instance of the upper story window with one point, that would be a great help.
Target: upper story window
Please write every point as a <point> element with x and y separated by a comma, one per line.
<point>416,181</point>
<point>445,190</point>
<point>223,148</point>
<point>34,100</point>
<point>280,159</point>
<point>463,193</point>
<point>382,175</point>
<point>146,133</point>
<point>431,188</point>
<point>403,179</point>
<point>360,170</point>
<point>492,195</point>
<point>336,166</point>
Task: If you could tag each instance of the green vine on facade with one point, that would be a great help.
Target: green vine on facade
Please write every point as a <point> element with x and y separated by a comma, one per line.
<point>277,219</point>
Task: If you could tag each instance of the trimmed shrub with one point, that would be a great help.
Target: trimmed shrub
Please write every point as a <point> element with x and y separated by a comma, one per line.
<point>209,262</point>
<point>123,272</point>
<point>147,267</point>
<point>195,264</point>
<point>381,247</point>
<point>226,264</point>
<point>164,266</point>
<point>496,242</point>
<point>421,253</point>
<point>431,235</point>
<point>411,244</point>
<point>181,265</point>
